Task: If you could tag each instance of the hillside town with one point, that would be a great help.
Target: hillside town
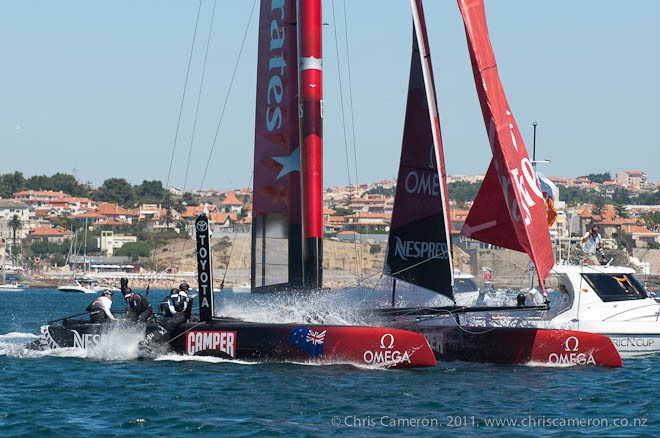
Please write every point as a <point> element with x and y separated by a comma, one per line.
<point>47,229</point>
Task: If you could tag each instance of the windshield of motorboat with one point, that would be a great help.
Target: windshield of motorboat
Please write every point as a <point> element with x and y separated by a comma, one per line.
<point>465,285</point>
<point>616,287</point>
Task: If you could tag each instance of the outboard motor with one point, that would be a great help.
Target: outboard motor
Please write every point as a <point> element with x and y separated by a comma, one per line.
<point>520,300</point>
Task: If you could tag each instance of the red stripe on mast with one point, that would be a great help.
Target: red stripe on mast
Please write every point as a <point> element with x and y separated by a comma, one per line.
<point>310,98</point>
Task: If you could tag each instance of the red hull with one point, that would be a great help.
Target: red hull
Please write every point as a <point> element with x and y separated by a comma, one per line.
<point>522,346</point>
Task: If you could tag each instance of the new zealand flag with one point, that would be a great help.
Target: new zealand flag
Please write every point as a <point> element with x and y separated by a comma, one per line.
<point>309,341</point>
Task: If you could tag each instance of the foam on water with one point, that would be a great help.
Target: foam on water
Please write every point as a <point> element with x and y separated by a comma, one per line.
<point>208,359</point>
<point>19,336</point>
<point>324,307</point>
<point>119,343</point>
<point>13,343</point>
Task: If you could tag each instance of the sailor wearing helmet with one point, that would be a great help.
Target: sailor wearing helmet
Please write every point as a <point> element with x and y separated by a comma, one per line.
<point>174,305</point>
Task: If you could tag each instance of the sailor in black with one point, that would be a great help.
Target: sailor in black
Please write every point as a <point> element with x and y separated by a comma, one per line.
<point>174,305</point>
<point>184,293</point>
<point>99,309</point>
<point>139,309</point>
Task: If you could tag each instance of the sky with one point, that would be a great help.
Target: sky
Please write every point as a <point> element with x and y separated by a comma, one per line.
<point>94,89</point>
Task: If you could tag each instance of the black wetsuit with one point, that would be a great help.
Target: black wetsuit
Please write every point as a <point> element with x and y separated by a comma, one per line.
<point>174,312</point>
<point>99,310</point>
<point>139,309</point>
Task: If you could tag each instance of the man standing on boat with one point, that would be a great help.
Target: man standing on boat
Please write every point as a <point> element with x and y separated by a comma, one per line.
<point>184,293</point>
<point>139,309</point>
<point>99,309</point>
<point>591,243</point>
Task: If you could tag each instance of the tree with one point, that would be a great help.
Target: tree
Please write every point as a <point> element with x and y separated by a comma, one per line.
<point>15,224</point>
<point>598,203</point>
<point>620,210</point>
<point>387,193</point>
<point>116,190</point>
<point>652,220</point>
<point>135,250</point>
<point>11,183</point>
<point>190,199</point>
<point>66,221</point>
<point>598,177</point>
<point>374,249</point>
<point>151,192</point>
<point>341,211</point>
<point>462,191</point>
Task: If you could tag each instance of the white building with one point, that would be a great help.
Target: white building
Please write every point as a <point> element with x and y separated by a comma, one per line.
<point>10,208</point>
<point>109,241</point>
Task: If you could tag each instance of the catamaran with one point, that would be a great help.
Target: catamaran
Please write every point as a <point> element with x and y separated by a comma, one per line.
<point>508,212</point>
<point>277,124</point>
<point>288,230</point>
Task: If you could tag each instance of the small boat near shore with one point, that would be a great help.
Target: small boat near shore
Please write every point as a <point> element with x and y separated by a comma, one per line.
<point>85,285</point>
<point>13,287</point>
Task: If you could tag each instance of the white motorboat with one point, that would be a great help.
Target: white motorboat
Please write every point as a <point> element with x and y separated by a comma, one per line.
<point>83,286</point>
<point>608,300</point>
<point>13,287</point>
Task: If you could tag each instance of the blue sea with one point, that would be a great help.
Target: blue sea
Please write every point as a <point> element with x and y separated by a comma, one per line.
<point>77,393</point>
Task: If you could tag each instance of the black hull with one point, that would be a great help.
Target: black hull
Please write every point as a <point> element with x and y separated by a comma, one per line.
<point>255,342</point>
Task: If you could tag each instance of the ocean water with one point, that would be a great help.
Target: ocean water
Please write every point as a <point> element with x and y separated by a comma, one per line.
<point>111,393</point>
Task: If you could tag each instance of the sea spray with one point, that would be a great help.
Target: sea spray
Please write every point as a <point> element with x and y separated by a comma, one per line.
<point>317,307</point>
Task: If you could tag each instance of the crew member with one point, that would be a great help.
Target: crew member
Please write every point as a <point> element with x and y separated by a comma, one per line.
<point>184,293</point>
<point>173,309</point>
<point>139,309</point>
<point>99,309</point>
<point>591,243</point>
<point>174,305</point>
<point>564,299</point>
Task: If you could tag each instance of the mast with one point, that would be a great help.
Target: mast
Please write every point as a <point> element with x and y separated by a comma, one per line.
<point>418,246</point>
<point>310,100</point>
<point>429,86</point>
<point>204,269</point>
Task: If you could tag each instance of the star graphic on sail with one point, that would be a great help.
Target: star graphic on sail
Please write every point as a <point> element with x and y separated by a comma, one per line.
<point>290,163</point>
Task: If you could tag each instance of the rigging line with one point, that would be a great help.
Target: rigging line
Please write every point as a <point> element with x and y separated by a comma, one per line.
<point>358,256</point>
<point>352,118</point>
<point>341,94</point>
<point>183,96</point>
<point>224,105</point>
<point>199,93</point>
<point>350,96</point>
<point>231,251</point>
<point>420,263</point>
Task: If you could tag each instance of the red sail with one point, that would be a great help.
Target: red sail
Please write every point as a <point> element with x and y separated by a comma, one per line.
<point>276,235</point>
<point>509,209</point>
<point>419,246</point>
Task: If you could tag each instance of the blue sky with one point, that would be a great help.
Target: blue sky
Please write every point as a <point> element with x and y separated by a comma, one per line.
<point>96,87</point>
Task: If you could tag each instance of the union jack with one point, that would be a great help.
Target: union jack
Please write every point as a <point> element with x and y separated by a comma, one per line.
<point>315,338</point>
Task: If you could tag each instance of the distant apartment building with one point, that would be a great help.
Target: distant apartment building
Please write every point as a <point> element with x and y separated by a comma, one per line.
<point>58,202</point>
<point>10,208</point>
<point>634,178</point>
<point>109,242</point>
